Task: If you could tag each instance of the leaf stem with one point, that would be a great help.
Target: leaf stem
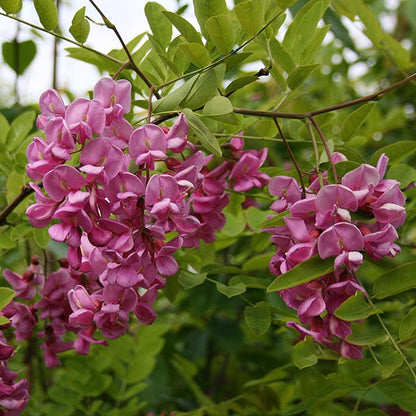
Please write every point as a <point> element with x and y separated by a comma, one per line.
<point>315,149</point>
<point>292,156</point>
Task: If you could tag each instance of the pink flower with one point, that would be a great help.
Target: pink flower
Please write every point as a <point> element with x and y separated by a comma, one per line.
<point>148,143</point>
<point>246,172</point>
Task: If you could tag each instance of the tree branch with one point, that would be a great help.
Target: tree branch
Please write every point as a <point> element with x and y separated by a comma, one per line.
<point>309,114</point>
<point>133,65</point>
<point>26,191</point>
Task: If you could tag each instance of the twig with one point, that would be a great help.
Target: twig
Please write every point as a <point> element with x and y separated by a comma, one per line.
<point>292,156</point>
<point>26,191</point>
<point>300,116</point>
<point>327,150</point>
<point>124,46</point>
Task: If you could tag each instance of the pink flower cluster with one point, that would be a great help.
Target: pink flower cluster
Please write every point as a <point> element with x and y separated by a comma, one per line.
<point>15,395</point>
<point>342,221</point>
<point>113,193</point>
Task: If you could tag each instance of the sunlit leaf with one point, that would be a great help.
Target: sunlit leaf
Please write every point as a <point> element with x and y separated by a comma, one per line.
<point>11,6</point>
<point>355,120</point>
<point>222,32</point>
<point>206,9</point>
<point>158,22</point>
<point>47,12</point>
<point>299,74</point>
<point>250,15</point>
<point>202,132</point>
<point>184,27</point>
<point>80,27</point>
<point>6,296</point>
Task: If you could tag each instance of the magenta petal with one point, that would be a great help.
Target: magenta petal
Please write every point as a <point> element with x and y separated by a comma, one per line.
<point>340,237</point>
<point>337,195</point>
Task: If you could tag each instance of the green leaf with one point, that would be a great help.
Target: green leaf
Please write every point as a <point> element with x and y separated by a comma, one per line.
<point>250,15</point>
<point>47,12</point>
<point>189,280</point>
<point>80,27</point>
<point>400,391</point>
<point>90,57</point>
<point>6,296</point>
<point>259,262</point>
<point>239,83</point>
<point>408,326</point>
<point>314,46</point>
<point>257,318</point>
<point>205,9</point>
<point>221,109</point>
<point>256,217</point>
<point>4,129</point>
<point>41,236</point>
<point>304,272</point>
<point>390,363</point>
<point>354,308</point>
<point>395,152</point>
<point>304,353</point>
<point>221,31</point>
<point>355,120</point>
<point>231,291</point>
<point>405,174</point>
<point>19,129</point>
<point>204,134</point>
<point>299,74</point>
<point>158,22</point>
<point>184,27</point>
<point>11,6</point>
<point>19,55</point>
<point>15,182</point>
<point>4,320</point>
<point>303,25</point>
<point>235,224</point>
<point>281,56</point>
<point>196,53</point>
<point>203,89</point>
<point>395,281</point>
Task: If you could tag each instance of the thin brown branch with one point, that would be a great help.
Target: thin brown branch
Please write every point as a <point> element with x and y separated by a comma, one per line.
<point>133,65</point>
<point>292,156</point>
<point>327,150</point>
<point>26,191</point>
<point>300,116</point>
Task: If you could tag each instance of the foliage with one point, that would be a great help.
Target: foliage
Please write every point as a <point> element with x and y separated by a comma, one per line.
<point>277,74</point>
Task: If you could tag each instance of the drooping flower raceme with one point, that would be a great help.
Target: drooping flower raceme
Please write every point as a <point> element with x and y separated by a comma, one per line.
<point>324,224</point>
<point>112,193</point>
